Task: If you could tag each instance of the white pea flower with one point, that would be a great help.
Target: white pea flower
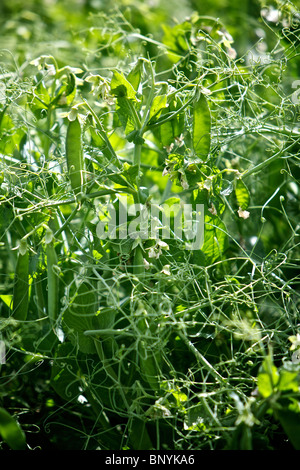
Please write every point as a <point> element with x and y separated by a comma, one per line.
<point>100,87</point>
<point>213,210</point>
<point>156,250</point>
<point>243,214</point>
<point>166,270</point>
<point>295,340</point>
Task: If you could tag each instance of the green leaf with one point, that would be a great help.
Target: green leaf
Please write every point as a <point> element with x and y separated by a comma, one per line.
<point>215,238</point>
<point>215,233</point>
<point>135,137</point>
<point>80,315</point>
<point>158,104</point>
<point>130,172</point>
<point>166,133</point>
<point>268,377</point>
<point>176,38</point>
<point>173,125</point>
<point>66,92</point>
<point>139,436</point>
<point>121,87</point>
<point>6,215</point>
<point>11,431</point>
<point>288,380</point>
<point>125,113</point>
<point>7,299</point>
<point>201,127</point>
<point>175,167</point>
<point>10,135</point>
<point>41,100</point>
<point>242,194</point>
<point>134,76</point>
<point>65,377</point>
<point>290,421</point>
<point>126,102</point>
<point>105,318</point>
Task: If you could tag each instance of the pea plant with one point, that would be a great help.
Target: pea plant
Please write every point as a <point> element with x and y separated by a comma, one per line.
<point>149,239</point>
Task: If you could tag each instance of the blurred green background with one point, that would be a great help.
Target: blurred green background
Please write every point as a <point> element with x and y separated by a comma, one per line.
<point>68,29</point>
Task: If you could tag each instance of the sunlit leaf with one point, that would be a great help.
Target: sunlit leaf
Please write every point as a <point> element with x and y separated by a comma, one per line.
<point>268,377</point>
<point>159,103</point>
<point>288,380</point>
<point>176,38</point>
<point>121,87</point>
<point>242,194</point>
<point>215,238</point>
<point>134,76</point>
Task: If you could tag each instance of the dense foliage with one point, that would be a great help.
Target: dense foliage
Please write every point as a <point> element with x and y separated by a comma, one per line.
<point>142,342</point>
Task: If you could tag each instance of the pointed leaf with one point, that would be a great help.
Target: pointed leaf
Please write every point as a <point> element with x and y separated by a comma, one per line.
<point>215,238</point>
<point>79,317</point>
<point>134,76</point>
<point>159,103</point>
<point>242,194</point>
<point>121,87</point>
<point>11,431</point>
<point>268,378</point>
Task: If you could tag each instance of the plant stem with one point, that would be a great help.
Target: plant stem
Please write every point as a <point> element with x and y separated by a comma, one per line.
<point>47,143</point>
<point>169,116</point>
<point>104,136</point>
<point>105,192</point>
<point>137,161</point>
<point>262,165</point>
<point>201,358</point>
<point>66,223</point>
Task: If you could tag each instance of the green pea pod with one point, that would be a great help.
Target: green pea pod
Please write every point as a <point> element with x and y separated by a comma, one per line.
<point>11,431</point>
<point>148,365</point>
<point>148,358</point>
<point>74,155</point>
<point>53,281</point>
<point>246,438</point>
<point>201,127</point>
<point>21,284</point>
<point>138,262</point>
